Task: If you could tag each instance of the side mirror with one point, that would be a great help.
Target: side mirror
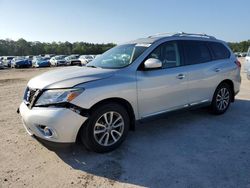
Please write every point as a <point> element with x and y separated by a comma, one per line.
<point>152,63</point>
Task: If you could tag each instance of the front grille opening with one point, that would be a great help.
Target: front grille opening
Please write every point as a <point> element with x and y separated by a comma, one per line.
<point>30,96</point>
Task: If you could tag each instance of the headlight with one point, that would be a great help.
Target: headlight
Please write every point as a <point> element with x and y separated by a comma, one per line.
<point>51,97</point>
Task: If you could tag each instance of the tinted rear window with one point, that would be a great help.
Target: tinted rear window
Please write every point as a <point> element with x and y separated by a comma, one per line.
<point>196,52</point>
<point>219,50</point>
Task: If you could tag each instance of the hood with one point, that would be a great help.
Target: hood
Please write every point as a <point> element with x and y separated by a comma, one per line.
<point>68,77</point>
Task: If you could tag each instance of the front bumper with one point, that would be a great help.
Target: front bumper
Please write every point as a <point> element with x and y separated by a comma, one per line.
<point>63,122</point>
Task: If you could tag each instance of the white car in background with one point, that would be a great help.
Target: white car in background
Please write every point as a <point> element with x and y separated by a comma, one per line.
<point>86,59</point>
<point>58,60</point>
<point>73,59</point>
<point>1,65</point>
<point>247,61</point>
<point>7,60</point>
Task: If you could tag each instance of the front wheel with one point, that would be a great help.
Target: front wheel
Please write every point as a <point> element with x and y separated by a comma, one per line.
<point>221,99</point>
<point>106,129</point>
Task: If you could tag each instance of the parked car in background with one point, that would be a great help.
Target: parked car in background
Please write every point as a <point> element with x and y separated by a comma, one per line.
<point>237,54</point>
<point>35,58</point>
<point>100,102</point>
<point>41,62</point>
<point>243,54</point>
<point>1,65</point>
<point>98,55</point>
<point>73,60</point>
<point>58,60</point>
<point>20,62</point>
<point>86,59</point>
<point>7,60</point>
<point>247,61</point>
<point>29,57</point>
<point>48,55</point>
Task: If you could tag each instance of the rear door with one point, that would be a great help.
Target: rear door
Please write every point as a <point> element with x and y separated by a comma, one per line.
<point>162,89</point>
<point>203,70</point>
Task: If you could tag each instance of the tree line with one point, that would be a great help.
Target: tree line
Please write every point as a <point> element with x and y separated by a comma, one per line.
<point>22,47</point>
<point>240,46</point>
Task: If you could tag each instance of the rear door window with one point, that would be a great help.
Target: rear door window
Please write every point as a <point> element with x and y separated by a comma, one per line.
<point>196,52</point>
<point>219,50</point>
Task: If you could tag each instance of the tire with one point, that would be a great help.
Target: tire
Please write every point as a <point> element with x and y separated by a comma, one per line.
<point>100,137</point>
<point>221,99</point>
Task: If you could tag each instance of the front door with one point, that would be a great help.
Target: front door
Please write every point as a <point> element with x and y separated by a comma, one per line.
<point>163,89</point>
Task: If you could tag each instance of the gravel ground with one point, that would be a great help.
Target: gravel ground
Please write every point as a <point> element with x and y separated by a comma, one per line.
<point>185,149</point>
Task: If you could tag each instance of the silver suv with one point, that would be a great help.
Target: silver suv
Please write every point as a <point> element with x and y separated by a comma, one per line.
<point>101,102</point>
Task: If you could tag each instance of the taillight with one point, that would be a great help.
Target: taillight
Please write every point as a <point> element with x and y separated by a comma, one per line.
<point>237,62</point>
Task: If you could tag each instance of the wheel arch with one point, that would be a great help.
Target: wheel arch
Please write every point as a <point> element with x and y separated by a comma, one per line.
<point>122,102</point>
<point>117,100</point>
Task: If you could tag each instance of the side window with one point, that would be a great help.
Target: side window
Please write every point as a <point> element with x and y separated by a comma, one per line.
<point>219,50</point>
<point>196,52</point>
<point>168,53</point>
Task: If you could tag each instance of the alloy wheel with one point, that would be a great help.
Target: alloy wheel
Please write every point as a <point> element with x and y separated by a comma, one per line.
<point>222,99</point>
<point>109,128</point>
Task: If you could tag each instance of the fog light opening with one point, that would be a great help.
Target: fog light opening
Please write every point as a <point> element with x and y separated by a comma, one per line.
<point>47,131</point>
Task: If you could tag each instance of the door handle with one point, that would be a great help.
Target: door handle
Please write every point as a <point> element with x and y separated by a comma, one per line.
<point>180,76</point>
<point>217,70</point>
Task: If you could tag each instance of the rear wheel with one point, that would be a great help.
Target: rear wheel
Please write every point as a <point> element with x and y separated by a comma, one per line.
<point>221,99</point>
<point>106,129</point>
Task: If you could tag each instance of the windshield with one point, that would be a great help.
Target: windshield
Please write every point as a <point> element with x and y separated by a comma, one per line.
<point>59,57</point>
<point>119,56</point>
<point>72,57</point>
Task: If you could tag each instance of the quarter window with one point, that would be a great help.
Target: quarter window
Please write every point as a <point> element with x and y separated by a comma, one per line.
<point>168,54</point>
<point>219,50</point>
<point>196,52</point>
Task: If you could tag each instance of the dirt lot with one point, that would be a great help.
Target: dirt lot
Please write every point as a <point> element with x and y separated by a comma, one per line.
<point>187,149</point>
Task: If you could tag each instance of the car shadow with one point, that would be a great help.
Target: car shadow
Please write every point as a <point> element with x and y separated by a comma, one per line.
<point>186,149</point>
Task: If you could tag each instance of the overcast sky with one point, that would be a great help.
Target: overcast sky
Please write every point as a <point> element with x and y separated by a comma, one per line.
<point>118,21</point>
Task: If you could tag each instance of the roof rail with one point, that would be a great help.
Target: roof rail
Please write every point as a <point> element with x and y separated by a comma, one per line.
<point>183,34</point>
<point>162,34</point>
